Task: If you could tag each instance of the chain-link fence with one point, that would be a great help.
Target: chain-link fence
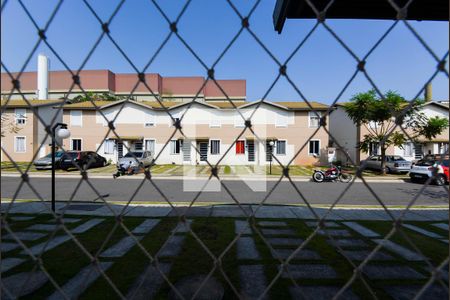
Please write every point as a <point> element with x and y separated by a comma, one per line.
<point>283,272</point>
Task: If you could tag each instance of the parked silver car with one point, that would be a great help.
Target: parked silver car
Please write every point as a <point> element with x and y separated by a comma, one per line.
<point>394,163</point>
<point>135,160</point>
<point>45,162</point>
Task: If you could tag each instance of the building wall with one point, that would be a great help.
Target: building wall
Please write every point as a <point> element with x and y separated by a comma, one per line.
<point>25,130</point>
<point>201,123</point>
<point>105,81</point>
<point>47,114</point>
<point>344,131</point>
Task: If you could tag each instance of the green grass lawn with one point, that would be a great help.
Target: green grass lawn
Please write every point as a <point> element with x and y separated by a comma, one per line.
<point>65,261</point>
<point>180,170</point>
<point>295,170</point>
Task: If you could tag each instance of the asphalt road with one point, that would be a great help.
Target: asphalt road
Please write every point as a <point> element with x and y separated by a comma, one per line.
<point>124,189</point>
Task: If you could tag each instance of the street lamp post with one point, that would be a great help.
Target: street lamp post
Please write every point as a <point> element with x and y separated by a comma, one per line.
<point>62,133</point>
<point>271,143</point>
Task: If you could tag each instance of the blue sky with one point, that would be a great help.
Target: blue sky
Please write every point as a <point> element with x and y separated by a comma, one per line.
<point>320,69</point>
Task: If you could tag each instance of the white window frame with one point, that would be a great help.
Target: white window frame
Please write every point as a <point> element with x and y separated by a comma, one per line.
<point>154,145</point>
<point>412,149</point>
<point>442,148</point>
<point>138,142</point>
<point>372,125</point>
<point>276,147</point>
<point>105,148</point>
<point>372,148</point>
<point>309,147</point>
<point>24,143</point>
<point>172,151</point>
<point>71,143</point>
<point>22,118</point>
<point>72,117</point>
<point>149,121</point>
<point>210,146</point>
<point>312,114</point>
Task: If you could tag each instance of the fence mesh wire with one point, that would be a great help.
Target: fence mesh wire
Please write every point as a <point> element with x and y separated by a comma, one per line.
<point>436,270</point>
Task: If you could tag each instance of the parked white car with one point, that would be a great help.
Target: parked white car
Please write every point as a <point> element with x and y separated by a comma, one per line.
<point>135,160</point>
<point>424,169</point>
<point>394,163</point>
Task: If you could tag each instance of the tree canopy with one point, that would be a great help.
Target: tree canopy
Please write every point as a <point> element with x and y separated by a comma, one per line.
<point>96,97</point>
<point>380,116</point>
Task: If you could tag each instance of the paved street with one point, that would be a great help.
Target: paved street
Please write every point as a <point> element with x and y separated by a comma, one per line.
<point>398,193</point>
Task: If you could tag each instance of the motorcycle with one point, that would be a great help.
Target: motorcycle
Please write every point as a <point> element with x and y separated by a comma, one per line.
<point>332,174</point>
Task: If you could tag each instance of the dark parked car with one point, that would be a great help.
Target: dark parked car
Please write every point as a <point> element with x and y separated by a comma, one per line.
<point>84,159</point>
<point>46,161</point>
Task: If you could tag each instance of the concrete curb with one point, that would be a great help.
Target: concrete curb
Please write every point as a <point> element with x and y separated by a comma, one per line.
<point>264,212</point>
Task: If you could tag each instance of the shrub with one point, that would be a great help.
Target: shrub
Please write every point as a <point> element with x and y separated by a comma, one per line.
<point>227,170</point>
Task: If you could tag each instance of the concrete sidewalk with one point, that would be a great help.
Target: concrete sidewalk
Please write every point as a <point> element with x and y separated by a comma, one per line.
<point>271,212</point>
<point>382,179</point>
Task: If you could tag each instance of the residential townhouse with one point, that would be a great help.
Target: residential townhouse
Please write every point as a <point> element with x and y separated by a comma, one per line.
<point>348,136</point>
<point>210,124</point>
<point>210,130</point>
<point>30,122</point>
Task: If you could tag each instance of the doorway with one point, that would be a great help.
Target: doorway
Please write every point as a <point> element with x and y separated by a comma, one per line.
<point>203,148</point>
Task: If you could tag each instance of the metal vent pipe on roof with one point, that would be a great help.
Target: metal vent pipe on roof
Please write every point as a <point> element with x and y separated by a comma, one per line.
<point>42,77</point>
<point>428,92</point>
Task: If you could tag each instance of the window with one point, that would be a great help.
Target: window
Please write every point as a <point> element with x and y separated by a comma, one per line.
<point>21,116</point>
<point>76,144</point>
<point>109,146</point>
<point>281,147</point>
<point>269,150</point>
<point>149,121</point>
<point>19,145</point>
<point>76,117</point>
<point>215,146</point>
<point>314,119</point>
<point>408,149</point>
<point>314,147</point>
<point>150,146</point>
<point>138,146</point>
<point>443,148</point>
<point>240,147</point>
<point>373,148</point>
<point>175,146</point>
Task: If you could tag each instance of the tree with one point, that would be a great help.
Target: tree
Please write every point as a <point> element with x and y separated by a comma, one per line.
<point>379,115</point>
<point>96,97</point>
<point>8,126</point>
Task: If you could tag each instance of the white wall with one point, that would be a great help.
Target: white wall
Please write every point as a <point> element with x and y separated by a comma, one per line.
<point>46,113</point>
<point>343,130</point>
<point>434,111</point>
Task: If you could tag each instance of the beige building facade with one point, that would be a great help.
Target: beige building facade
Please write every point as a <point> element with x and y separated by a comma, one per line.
<point>23,128</point>
<point>209,132</point>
